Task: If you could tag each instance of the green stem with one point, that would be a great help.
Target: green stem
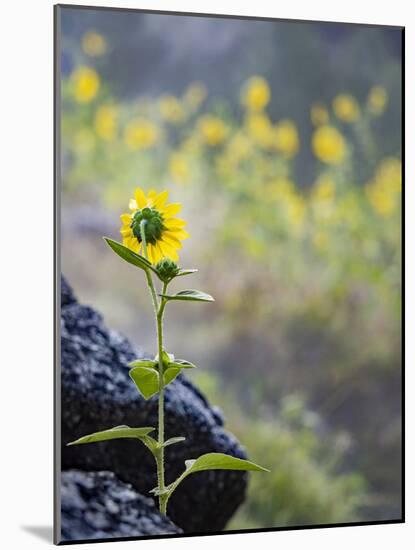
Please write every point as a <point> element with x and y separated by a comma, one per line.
<point>160,457</point>
<point>158,310</point>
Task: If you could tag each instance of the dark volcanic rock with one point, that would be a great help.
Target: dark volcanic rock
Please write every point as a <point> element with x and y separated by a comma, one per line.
<point>97,505</point>
<point>97,393</point>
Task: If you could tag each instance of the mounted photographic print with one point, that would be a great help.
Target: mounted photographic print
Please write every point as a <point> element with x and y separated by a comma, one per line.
<point>228,274</point>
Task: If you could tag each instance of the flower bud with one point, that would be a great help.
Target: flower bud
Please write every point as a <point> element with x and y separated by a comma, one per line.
<point>167,269</point>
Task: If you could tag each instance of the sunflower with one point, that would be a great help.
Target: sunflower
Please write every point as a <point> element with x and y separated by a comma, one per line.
<point>163,231</point>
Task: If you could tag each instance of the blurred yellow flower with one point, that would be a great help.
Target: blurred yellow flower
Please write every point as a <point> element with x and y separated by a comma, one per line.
<point>328,145</point>
<point>239,147</point>
<point>163,231</point>
<point>346,108</point>
<point>319,114</point>
<point>323,194</point>
<point>286,138</point>
<point>377,100</point>
<point>381,200</point>
<point>383,191</point>
<point>212,129</point>
<point>389,174</point>
<point>259,128</point>
<point>171,109</point>
<point>94,44</point>
<point>256,93</point>
<point>83,141</point>
<point>85,82</point>
<point>324,188</point>
<point>195,95</point>
<point>141,133</point>
<point>179,168</point>
<point>106,121</point>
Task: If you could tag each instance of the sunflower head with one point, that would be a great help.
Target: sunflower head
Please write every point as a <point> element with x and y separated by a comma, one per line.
<point>163,231</point>
<point>153,226</point>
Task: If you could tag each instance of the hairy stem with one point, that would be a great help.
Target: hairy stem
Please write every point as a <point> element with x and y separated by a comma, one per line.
<point>158,310</point>
<point>160,461</point>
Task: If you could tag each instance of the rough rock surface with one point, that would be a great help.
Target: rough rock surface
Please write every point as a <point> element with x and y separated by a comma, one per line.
<point>97,505</point>
<point>97,393</point>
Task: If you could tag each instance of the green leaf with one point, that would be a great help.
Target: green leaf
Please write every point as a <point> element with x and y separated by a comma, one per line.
<point>143,363</point>
<point>213,461</point>
<point>182,364</point>
<point>119,432</point>
<point>220,461</point>
<point>128,255</point>
<point>146,379</point>
<point>186,272</point>
<point>170,374</point>
<point>173,441</point>
<point>189,295</point>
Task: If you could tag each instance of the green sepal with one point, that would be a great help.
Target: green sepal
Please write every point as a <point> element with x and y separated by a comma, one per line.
<point>189,295</point>
<point>118,432</point>
<point>128,255</point>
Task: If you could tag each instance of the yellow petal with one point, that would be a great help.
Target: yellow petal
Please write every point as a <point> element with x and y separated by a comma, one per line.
<point>126,219</point>
<point>132,205</point>
<point>150,253</point>
<point>152,194</point>
<point>126,241</point>
<point>140,198</point>
<point>178,233</point>
<point>171,240</point>
<point>132,244</point>
<point>126,231</point>
<point>160,251</point>
<point>174,223</point>
<point>173,256</point>
<point>160,199</point>
<point>168,250</point>
<point>157,253</point>
<point>171,209</point>
<point>165,248</point>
